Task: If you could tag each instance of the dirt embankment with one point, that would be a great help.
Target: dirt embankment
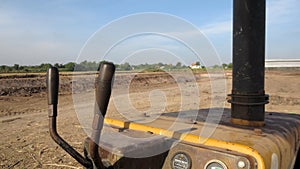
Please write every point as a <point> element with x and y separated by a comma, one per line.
<point>30,84</point>
<point>283,86</point>
<point>25,140</point>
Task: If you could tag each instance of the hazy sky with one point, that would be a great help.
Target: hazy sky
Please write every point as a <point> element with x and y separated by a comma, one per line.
<point>34,32</point>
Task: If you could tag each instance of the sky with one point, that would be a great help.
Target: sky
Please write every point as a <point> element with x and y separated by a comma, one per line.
<point>61,31</point>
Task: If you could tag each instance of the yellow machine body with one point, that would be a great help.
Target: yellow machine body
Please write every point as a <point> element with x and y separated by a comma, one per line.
<point>273,146</point>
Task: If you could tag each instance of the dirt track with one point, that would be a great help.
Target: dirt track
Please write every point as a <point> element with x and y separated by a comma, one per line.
<point>25,140</point>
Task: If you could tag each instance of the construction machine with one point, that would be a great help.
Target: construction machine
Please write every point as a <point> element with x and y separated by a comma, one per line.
<point>247,137</point>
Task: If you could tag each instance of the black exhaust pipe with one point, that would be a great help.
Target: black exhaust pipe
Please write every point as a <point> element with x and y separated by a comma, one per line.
<point>248,96</point>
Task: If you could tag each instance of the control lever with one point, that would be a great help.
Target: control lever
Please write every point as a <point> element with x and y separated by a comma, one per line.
<point>52,82</point>
<point>103,86</point>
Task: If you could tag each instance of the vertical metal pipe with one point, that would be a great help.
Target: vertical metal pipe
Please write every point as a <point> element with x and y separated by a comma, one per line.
<point>248,97</point>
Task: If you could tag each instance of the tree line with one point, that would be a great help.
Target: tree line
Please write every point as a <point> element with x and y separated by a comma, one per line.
<point>68,67</point>
<point>92,66</point>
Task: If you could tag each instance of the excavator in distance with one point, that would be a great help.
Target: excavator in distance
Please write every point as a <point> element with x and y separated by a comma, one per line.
<point>247,137</point>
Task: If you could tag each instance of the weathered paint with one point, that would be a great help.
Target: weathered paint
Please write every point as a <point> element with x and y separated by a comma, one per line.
<point>280,137</point>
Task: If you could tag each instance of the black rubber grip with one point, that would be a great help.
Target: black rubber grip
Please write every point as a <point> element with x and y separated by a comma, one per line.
<point>103,86</point>
<point>52,82</point>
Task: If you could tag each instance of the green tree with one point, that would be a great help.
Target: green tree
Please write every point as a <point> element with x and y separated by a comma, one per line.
<point>160,64</point>
<point>216,66</point>
<point>70,66</point>
<point>125,66</point>
<point>178,65</point>
<point>5,69</point>
<point>16,67</point>
<point>42,68</point>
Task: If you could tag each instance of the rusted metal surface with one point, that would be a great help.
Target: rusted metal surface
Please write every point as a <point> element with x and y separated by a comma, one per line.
<point>277,142</point>
<point>248,97</point>
<point>123,162</point>
<point>133,153</point>
<point>116,156</point>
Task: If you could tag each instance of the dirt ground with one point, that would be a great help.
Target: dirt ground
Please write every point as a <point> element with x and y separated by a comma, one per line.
<point>25,140</point>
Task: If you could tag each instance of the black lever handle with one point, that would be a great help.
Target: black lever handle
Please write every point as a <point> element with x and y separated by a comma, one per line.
<point>103,86</point>
<point>52,83</point>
